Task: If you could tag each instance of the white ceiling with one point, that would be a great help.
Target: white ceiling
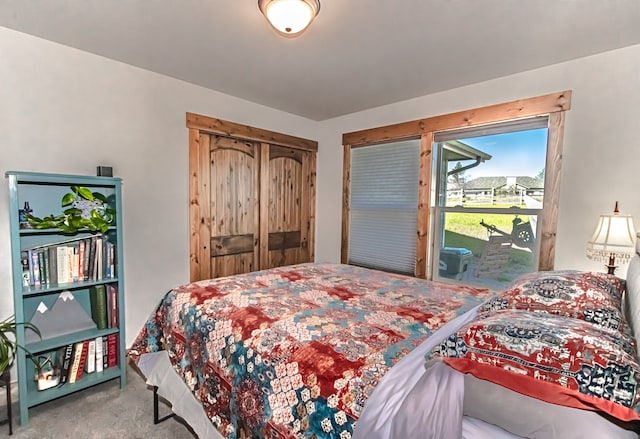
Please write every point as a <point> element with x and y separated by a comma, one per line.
<point>357,54</point>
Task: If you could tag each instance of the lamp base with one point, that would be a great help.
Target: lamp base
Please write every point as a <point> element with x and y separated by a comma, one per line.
<point>611,267</point>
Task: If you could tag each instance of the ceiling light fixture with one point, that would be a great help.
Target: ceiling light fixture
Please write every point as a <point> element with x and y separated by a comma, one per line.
<point>289,17</point>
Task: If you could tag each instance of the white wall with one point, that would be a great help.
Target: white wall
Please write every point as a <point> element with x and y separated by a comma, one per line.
<point>601,155</point>
<point>65,111</point>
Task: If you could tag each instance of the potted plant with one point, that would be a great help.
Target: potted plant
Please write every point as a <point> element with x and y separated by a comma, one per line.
<point>8,344</point>
<point>84,210</point>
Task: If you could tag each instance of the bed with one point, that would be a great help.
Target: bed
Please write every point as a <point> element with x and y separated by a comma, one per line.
<point>316,350</point>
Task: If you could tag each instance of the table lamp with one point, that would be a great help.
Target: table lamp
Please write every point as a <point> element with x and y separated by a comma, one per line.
<point>613,239</point>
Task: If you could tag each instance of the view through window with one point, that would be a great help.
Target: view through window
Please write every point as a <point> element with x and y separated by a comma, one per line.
<point>490,190</point>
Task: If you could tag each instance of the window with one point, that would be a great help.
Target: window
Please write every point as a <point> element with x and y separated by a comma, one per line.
<point>384,206</point>
<point>487,177</point>
<point>490,195</point>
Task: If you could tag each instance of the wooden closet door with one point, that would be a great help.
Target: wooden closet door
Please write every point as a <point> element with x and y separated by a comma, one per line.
<point>234,211</point>
<point>251,198</point>
<point>287,180</point>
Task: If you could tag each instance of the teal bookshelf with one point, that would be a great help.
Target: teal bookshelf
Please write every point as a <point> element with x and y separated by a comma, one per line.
<point>44,193</point>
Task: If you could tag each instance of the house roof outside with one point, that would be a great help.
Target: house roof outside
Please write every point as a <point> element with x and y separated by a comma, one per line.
<point>455,150</point>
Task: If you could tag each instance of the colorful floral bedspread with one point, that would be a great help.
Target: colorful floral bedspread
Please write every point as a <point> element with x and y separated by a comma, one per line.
<point>295,351</point>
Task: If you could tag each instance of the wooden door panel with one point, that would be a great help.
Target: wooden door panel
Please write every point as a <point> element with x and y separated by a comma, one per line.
<point>285,187</point>
<point>287,195</point>
<point>232,264</point>
<point>287,257</point>
<point>234,206</point>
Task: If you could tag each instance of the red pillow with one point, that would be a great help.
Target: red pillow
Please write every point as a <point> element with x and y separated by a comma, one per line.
<point>592,297</point>
<point>555,359</point>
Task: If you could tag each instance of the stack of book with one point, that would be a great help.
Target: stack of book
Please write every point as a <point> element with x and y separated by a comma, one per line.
<point>76,260</point>
<point>104,306</point>
<point>87,357</point>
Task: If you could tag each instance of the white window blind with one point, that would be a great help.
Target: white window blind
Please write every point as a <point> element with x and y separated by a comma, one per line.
<point>384,206</point>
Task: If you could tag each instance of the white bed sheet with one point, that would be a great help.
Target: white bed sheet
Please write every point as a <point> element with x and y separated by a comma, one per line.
<point>158,371</point>
<point>398,408</point>
<point>401,406</point>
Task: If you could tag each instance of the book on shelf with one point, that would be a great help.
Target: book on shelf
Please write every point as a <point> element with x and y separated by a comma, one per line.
<point>112,300</point>
<point>81,245</point>
<point>66,354</point>
<point>99,353</point>
<point>53,265</point>
<point>69,259</point>
<point>98,259</point>
<point>35,267</point>
<point>112,350</point>
<point>90,364</point>
<point>98,300</point>
<point>87,255</point>
<point>75,263</point>
<point>42,263</point>
<point>75,363</point>
<point>83,359</point>
<point>26,276</point>
<point>110,260</point>
<point>62,267</point>
<point>92,257</point>
<point>105,353</point>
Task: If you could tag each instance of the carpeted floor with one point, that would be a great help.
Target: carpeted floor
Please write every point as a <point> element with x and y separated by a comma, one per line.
<point>100,412</point>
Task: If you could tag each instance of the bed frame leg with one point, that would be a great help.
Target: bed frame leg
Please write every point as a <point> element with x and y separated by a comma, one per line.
<point>156,419</point>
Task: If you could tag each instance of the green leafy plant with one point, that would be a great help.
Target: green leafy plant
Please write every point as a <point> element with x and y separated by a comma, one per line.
<point>85,210</point>
<point>8,344</point>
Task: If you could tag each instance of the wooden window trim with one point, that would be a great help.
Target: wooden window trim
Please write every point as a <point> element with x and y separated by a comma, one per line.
<point>554,105</point>
<point>424,210</point>
<point>346,197</point>
<point>552,196</point>
<point>519,109</point>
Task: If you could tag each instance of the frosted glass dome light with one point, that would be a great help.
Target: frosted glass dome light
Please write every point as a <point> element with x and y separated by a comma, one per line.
<point>289,17</point>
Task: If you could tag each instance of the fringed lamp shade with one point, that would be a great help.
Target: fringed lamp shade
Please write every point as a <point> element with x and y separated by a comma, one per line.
<point>613,239</point>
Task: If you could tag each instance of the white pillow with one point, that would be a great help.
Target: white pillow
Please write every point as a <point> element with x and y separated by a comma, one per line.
<point>632,296</point>
<point>531,418</point>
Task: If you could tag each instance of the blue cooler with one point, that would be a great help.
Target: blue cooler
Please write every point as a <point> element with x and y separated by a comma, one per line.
<point>454,262</point>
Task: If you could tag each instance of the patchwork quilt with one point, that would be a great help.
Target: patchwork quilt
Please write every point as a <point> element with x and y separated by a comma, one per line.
<point>295,351</point>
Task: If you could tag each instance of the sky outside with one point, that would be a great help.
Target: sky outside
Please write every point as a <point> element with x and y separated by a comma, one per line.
<point>522,153</point>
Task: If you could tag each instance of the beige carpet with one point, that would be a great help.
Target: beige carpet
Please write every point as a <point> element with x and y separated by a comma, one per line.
<point>100,412</point>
